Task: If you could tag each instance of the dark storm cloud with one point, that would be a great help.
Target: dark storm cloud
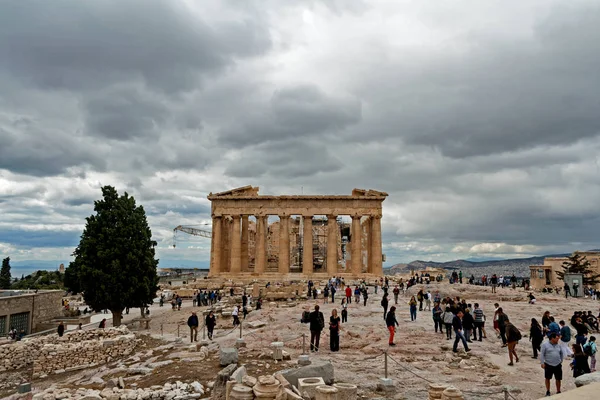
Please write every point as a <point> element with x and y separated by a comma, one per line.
<point>489,95</point>
<point>30,146</point>
<point>293,112</point>
<point>74,45</point>
<point>124,113</point>
<point>292,159</point>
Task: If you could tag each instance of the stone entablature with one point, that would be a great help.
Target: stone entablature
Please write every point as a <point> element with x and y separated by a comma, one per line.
<point>231,209</point>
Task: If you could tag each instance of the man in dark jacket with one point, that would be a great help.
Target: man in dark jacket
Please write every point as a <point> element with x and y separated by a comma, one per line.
<point>458,331</point>
<point>317,323</point>
<point>210,323</point>
<point>193,324</point>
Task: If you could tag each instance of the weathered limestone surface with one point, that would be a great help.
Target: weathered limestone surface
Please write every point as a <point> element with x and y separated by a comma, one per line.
<point>75,350</point>
<point>323,369</point>
<point>587,379</point>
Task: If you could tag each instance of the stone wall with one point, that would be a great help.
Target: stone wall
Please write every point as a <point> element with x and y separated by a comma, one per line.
<point>75,350</point>
<point>42,306</point>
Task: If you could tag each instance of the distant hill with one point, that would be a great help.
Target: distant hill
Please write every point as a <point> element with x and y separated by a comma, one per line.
<point>518,266</point>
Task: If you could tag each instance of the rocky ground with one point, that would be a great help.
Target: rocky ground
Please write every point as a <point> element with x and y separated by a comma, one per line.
<point>420,357</point>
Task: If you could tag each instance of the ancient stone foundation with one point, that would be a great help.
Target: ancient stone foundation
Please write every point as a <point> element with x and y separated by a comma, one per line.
<point>75,350</point>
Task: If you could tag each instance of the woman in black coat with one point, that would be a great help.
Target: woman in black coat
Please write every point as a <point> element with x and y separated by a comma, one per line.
<point>579,365</point>
<point>536,336</point>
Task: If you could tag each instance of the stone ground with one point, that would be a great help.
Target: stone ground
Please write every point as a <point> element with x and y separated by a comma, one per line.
<point>421,354</point>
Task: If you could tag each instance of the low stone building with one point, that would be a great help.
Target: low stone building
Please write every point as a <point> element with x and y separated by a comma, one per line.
<point>27,311</point>
<point>544,276</point>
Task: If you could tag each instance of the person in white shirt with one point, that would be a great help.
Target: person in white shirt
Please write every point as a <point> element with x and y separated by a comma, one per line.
<point>428,300</point>
<point>235,315</point>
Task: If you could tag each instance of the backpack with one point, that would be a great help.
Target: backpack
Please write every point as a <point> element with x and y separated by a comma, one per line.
<point>587,349</point>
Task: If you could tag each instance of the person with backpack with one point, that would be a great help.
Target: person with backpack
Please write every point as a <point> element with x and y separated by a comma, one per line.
<point>420,299</point>
<point>513,335</point>
<point>384,304</point>
<point>365,293</point>
<point>316,325</point>
<point>579,365</point>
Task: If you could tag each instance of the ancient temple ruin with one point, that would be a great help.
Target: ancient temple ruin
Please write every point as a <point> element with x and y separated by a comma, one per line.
<point>304,235</point>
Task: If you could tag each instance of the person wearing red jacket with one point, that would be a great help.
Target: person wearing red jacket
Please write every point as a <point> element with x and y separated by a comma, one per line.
<point>348,294</point>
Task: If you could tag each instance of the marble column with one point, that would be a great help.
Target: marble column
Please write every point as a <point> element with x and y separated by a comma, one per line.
<point>376,261</point>
<point>226,254</point>
<point>260,262</point>
<point>244,256</point>
<point>236,246</point>
<point>284,244</point>
<point>307,246</point>
<point>215,267</point>
<point>332,229</point>
<point>356,245</point>
<point>369,268</point>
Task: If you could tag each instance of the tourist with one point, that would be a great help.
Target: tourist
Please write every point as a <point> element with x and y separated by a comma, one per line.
<point>333,290</point>
<point>531,298</point>
<point>565,338</point>
<point>61,329</point>
<point>326,294</point>
<point>413,308</point>
<point>179,302</point>
<point>502,318</point>
<point>551,358</point>
<point>357,294</point>
<point>575,288</point>
<point>345,310</point>
<point>428,301</point>
<point>458,331</point>
<point>436,313</point>
<point>448,317</point>
<point>334,331</point>
<point>384,304</point>
<point>244,300</point>
<point>391,323</point>
<point>494,282</point>
<point>553,327</point>
<point>567,290</point>
<point>365,294</point>
<point>244,311</point>
<point>193,324</point>
<point>420,300</point>
<point>348,294</point>
<point>478,322</point>
<point>579,365</point>
<point>317,323</point>
<point>582,331</point>
<point>496,307</point>
<point>102,324</point>
<point>235,314</point>
<point>512,337</point>
<point>173,304</point>
<point>258,303</point>
<point>545,321</point>
<point>591,349</point>
<point>396,292</point>
<point>468,323</point>
<point>210,322</point>
<point>536,336</point>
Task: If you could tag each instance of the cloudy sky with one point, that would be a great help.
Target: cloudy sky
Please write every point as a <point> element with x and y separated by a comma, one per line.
<point>479,118</point>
